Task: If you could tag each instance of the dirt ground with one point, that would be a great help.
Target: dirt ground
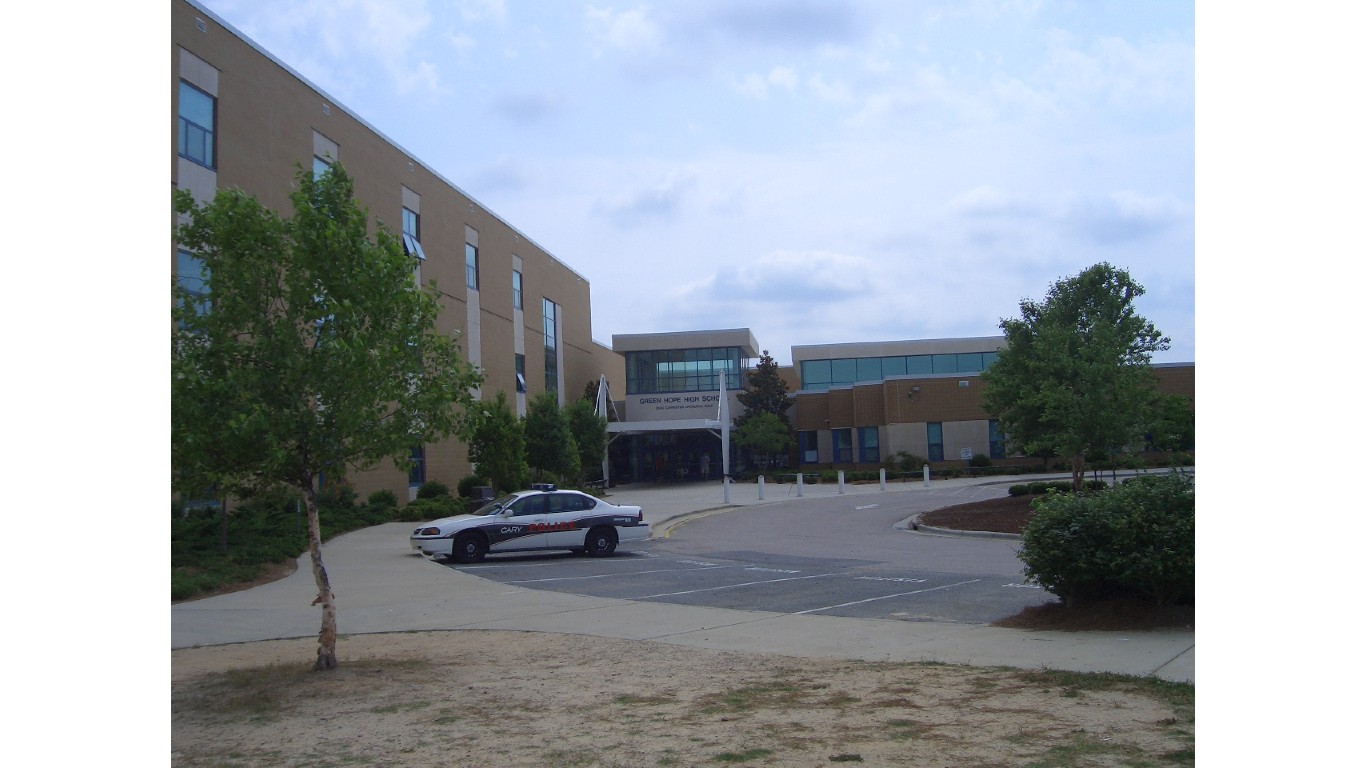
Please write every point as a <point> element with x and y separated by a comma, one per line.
<point>480,698</point>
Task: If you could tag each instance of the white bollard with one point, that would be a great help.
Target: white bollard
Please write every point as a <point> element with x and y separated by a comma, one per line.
<point>882,478</point>
<point>927,475</point>
<point>799,485</point>
<point>761,487</point>
<point>841,482</point>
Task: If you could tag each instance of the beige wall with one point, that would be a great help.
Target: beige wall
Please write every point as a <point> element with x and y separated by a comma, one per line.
<point>269,122</point>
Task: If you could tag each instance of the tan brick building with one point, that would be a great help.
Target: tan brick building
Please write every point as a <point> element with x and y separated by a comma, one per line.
<point>241,118</point>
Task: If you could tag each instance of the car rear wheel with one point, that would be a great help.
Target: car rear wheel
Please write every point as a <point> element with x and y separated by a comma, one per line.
<point>601,542</point>
<point>469,548</point>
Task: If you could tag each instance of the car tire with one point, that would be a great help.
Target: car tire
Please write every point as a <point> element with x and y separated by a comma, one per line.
<point>601,542</point>
<point>469,548</point>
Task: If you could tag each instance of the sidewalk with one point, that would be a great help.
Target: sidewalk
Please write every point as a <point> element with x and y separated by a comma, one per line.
<point>382,586</point>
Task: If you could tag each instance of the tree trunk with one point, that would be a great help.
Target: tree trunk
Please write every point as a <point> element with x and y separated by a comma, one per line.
<point>327,636</point>
<point>1078,472</point>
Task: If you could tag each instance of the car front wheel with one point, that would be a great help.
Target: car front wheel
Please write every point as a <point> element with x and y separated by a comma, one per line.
<point>601,542</point>
<point>469,548</point>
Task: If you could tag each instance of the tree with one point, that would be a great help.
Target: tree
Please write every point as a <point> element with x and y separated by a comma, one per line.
<point>550,445</point>
<point>590,436</point>
<point>315,352</point>
<point>497,446</point>
<point>1075,376</point>
<point>766,435</point>
<point>765,391</point>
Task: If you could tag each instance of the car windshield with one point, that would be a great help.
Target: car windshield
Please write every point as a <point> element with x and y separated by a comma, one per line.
<point>495,506</point>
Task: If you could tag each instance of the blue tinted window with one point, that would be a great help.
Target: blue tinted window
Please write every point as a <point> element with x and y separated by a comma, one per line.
<point>916,364</point>
<point>196,125</point>
<point>987,359</point>
<point>868,445</point>
<point>969,362</point>
<point>869,369</point>
<point>816,374</point>
<point>945,363</point>
<point>806,447</point>
<point>842,445</point>
<point>893,366</point>
<point>934,432</point>
<point>843,371</point>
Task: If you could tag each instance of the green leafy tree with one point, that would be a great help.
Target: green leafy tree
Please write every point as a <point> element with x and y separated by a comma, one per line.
<point>765,435</point>
<point>1075,376</point>
<point>550,448</point>
<point>315,352</point>
<point>496,444</point>
<point>1172,424</point>
<point>765,391</point>
<point>590,436</point>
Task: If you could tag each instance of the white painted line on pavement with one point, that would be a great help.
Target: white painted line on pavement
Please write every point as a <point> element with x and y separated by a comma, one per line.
<point>886,597</point>
<point>733,586</point>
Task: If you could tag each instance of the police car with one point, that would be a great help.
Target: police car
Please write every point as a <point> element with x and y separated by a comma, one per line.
<point>538,519</point>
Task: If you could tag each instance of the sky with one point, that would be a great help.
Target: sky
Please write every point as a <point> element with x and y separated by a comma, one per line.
<point>818,171</point>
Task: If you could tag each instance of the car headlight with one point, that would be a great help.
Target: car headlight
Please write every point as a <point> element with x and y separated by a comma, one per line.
<point>429,532</point>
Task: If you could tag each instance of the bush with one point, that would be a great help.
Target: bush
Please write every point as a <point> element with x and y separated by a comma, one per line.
<point>383,500</point>
<point>1136,539</point>
<point>467,485</point>
<point>432,490</point>
<point>432,508</point>
<point>979,460</point>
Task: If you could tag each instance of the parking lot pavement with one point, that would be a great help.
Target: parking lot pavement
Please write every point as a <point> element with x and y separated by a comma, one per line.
<point>382,586</point>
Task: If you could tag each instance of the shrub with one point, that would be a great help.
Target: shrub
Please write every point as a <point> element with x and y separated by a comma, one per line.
<point>467,485</point>
<point>1138,538</point>
<point>979,460</point>
<point>383,499</point>
<point>433,489</point>
<point>432,508</point>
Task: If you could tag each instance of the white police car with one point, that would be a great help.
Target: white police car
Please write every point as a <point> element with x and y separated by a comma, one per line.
<point>542,518</point>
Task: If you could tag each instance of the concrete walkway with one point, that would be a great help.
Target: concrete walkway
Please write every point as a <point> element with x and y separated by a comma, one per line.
<point>382,586</point>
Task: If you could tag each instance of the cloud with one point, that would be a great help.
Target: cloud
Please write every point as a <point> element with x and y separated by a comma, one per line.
<point>795,23</point>
<point>661,202</point>
<point>630,31</point>
<point>526,108</point>
<point>480,10</point>
<point>756,86</point>
<point>1123,217</point>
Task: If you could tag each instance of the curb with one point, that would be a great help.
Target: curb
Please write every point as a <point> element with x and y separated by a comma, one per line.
<point>913,525</point>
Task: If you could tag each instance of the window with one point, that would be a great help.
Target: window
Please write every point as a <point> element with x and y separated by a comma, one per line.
<point>520,364</point>
<point>552,370</point>
<point>412,242</point>
<point>868,446</point>
<point>806,447</point>
<point>320,166</point>
<point>471,266</point>
<point>682,370</point>
<point>197,120</point>
<point>842,446</point>
<point>934,432</point>
<point>516,289</point>
<point>417,471</point>
<point>193,276</point>
<point>997,439</point>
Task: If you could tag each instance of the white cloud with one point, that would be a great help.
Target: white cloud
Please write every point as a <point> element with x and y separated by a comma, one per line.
<point>631,31</point>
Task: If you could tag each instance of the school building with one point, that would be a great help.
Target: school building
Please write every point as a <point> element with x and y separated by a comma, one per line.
<point>242,118</point>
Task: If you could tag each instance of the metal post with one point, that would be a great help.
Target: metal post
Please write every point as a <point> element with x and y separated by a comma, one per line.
<point>725,482</point>
<point>927,475</point>
<point>799,485</point>
<point>841,482</point>
<point>761,487</point>
<point>882,478</point>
